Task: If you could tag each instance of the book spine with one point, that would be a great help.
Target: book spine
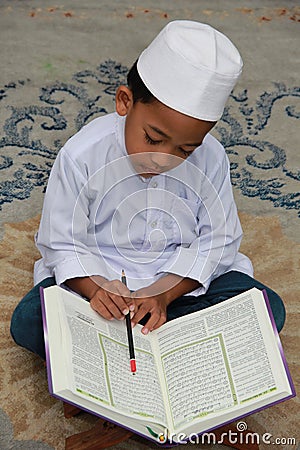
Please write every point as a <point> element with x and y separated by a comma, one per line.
<point>288,374</point>
<point>48,365</point>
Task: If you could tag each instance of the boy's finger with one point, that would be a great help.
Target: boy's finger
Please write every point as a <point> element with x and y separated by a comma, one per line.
<point>113,303</point>
<point>161,321</point>
<point>122,305</point>
<point>125,294</point>
<point>140,314</point>
<point>117,288</point>
<point>100,308</point>
<point>150,324</point>
<point>119,295</point>
<point>123,290</point>
<point>117,305</point>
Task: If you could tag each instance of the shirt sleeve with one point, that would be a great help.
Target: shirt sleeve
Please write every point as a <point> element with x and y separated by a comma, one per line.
<point>62,238</point>
<point>217,236</point>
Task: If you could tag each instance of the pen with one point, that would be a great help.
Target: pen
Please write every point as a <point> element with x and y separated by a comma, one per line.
<point>129,334</point>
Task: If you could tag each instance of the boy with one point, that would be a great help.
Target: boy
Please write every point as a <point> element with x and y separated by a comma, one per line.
<point>147,189</point>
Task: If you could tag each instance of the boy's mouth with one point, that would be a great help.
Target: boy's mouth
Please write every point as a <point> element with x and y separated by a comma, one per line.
<point>149,170</point>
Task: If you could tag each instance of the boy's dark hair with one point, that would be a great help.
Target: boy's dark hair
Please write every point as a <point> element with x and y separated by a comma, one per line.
<point>136,85</point>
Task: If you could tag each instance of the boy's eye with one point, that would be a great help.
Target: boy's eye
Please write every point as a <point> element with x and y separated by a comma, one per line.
<point>184,152</point>
<point>150,140</point>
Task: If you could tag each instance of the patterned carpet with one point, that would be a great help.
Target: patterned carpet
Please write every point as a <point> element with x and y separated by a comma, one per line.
<point>259,132</point>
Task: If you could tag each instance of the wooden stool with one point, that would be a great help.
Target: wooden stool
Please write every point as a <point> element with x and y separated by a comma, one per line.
<point>104,434</point>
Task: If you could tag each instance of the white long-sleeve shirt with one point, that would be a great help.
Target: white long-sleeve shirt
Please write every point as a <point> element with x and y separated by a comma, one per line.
<point>100,216</point>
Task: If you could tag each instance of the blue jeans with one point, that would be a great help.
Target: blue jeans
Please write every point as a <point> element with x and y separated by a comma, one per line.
<point>27,327</point>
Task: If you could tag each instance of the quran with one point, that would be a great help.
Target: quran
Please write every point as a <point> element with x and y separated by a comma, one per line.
<point>194,373</point>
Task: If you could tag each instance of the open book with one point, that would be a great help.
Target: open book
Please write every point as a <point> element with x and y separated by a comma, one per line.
<point>194,373</point>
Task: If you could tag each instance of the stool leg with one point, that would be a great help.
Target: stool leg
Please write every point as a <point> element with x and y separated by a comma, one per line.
<point>103,435</point>
<point>70,410</point>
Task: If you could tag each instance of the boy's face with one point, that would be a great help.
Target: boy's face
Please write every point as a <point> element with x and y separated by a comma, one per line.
<point>157,137</point>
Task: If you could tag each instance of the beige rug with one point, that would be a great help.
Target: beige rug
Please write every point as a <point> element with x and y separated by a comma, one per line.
<point>24,394</point>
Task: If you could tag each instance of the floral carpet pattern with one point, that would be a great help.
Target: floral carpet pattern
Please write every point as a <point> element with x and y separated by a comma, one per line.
<point>260,168</point>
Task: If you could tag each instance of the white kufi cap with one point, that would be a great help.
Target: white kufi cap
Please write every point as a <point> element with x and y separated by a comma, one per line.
<point>192,68</point>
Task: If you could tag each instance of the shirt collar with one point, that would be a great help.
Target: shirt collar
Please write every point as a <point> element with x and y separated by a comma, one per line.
<point>120,133</point>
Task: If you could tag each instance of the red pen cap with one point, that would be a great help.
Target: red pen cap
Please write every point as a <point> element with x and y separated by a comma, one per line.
<point>132,365</point>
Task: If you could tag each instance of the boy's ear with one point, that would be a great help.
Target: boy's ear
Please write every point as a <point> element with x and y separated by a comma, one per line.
<point>124,100</point>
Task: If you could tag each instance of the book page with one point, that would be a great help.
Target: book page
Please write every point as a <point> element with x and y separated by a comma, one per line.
<point>197,373</point>
<point>99,362</point>
<point>249,361</point>
<point>216,359</point>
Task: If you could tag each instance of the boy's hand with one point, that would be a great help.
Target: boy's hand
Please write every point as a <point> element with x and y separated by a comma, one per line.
<point>155,305</point>
<point>155,298</point>
<point>112,300</point>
